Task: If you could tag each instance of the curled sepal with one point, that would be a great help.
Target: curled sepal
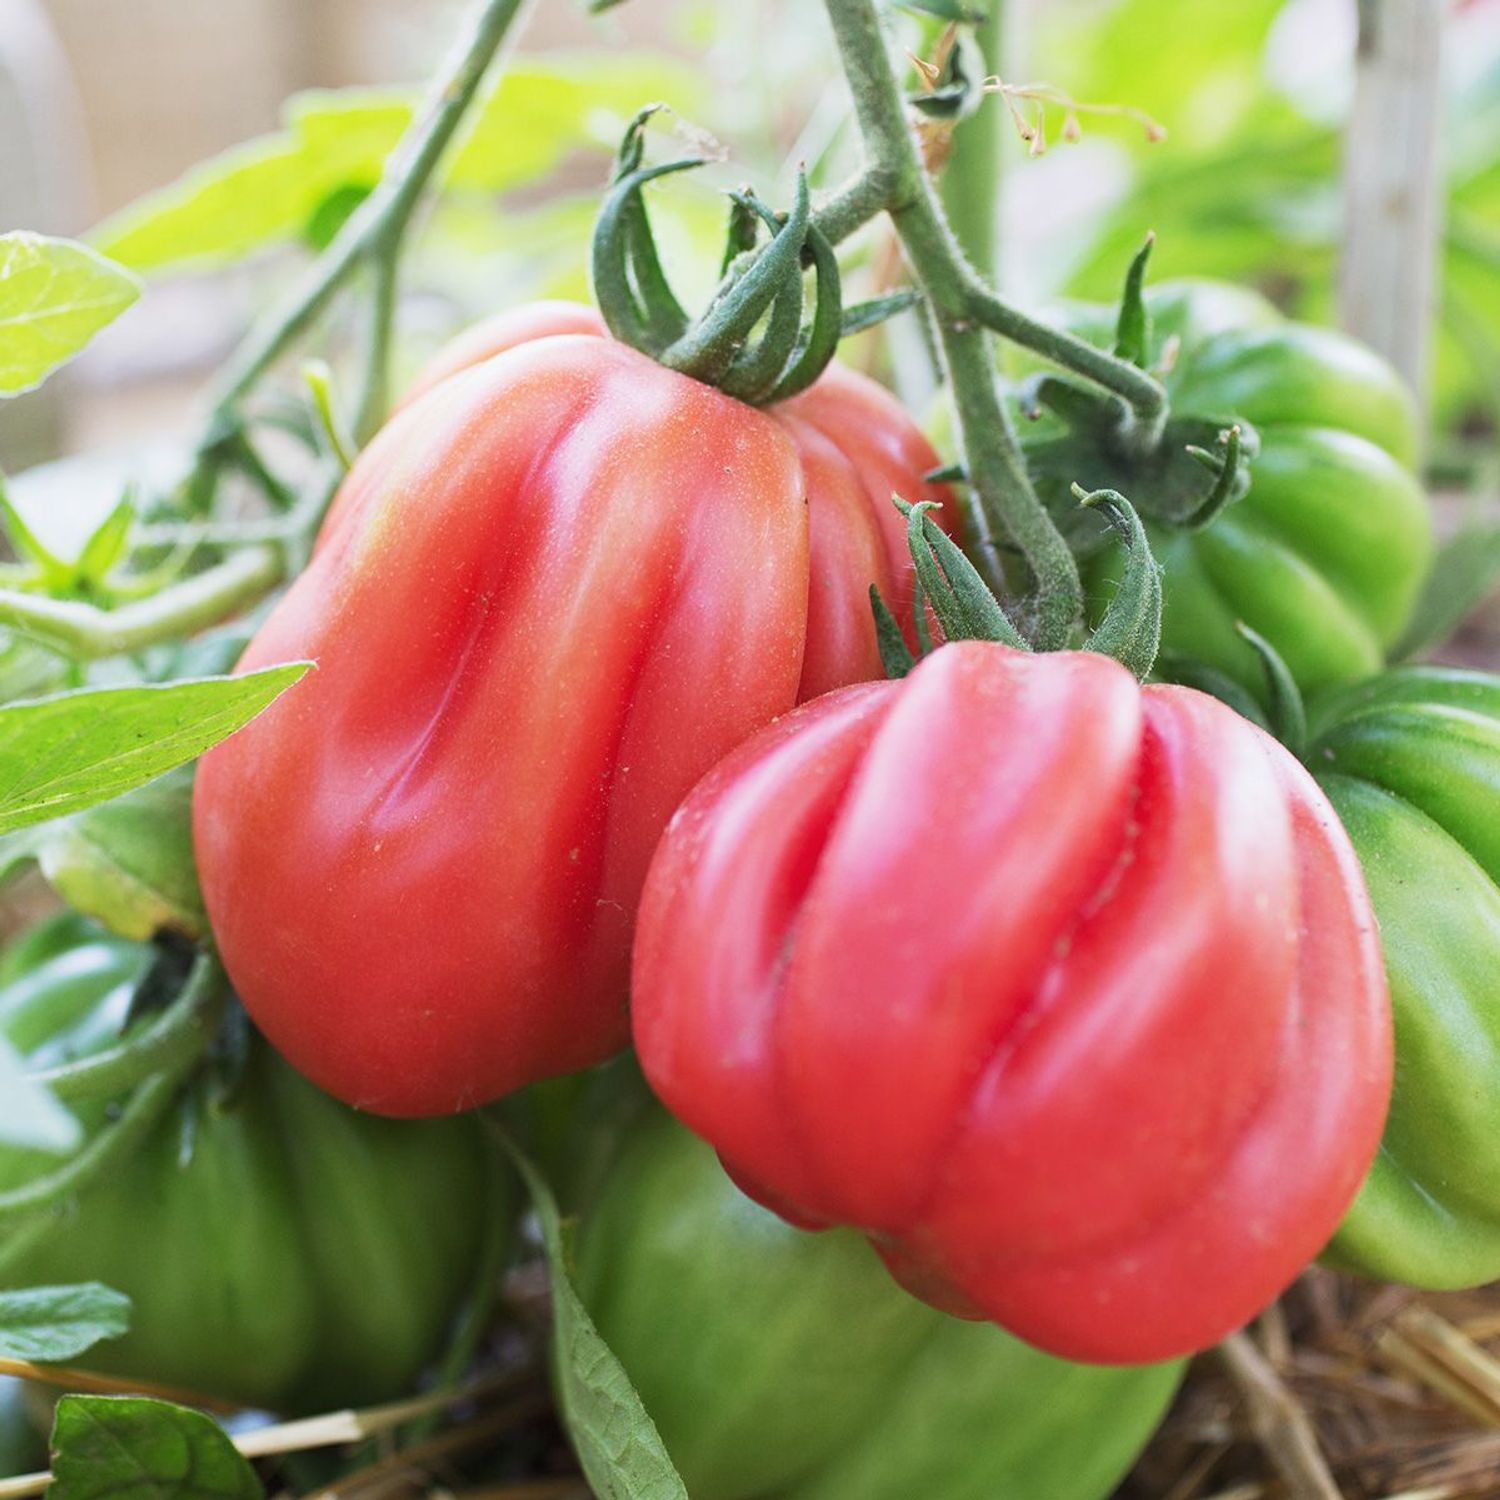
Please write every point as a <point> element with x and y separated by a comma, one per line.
<point>742,230</point>
<point>708,348</point>
<point>1133,328</point>
<point>961,600</point>
<point>895,654</point>
<point>787,358</point>
<point>819,341</point>
<point>1230,477</point>
<point>758,366</point>
<point>1130,631</point>
<point>1287,716</point>
<point>665,318</point>
<point>615,268</point>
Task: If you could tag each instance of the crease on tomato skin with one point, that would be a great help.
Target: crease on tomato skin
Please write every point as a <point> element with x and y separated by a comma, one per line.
<point>631,825</point>
<point>847,408</point>
<point>1192,1251</point>
<point>873,1093</point>
<point>1123,1009</point>
<point>435,1005</point>
<point>709,879</point>
<point>841,642</point>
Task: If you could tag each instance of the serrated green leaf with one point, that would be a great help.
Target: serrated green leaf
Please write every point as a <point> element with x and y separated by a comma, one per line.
<point>618,1446</point>
<point>49,1324</point>
<point>55,295</point>
<point>133,1448</point>
<point>29,1115</point>
<point>61,754</point>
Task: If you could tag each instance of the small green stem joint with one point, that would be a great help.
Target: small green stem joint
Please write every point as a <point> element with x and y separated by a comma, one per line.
<point>1130,631</point>
<point>762,287</point>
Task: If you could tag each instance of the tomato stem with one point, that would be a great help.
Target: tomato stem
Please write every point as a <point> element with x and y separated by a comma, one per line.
<point>114,1143</point>
<point>1005,504</point>
<point>86,632</point>
<point>175,1038</point>
<point>895,180</point>
<point>970,182</point>
<point>375,233</point>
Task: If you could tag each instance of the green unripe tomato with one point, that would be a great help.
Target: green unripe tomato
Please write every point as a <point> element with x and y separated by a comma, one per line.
<point>279,1249</point>
<point>1411,761</point>
<point>1325,554</point>
<point>780,1363</point>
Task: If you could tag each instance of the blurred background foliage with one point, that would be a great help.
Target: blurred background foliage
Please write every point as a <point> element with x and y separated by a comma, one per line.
<point>1245,184</point>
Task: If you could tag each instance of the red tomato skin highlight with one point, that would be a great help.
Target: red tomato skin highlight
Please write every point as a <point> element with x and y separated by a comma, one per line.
<point>1065,991</point>
<point>552,592</point>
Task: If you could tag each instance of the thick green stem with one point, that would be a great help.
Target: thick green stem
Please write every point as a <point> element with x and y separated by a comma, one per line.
<point>855,204</point>
<point>1143,394</point>
<point>377,227</point>
<point>971,179</point>
<point>1007,503</point>
<point>86,632</point>
<point>894,180</point>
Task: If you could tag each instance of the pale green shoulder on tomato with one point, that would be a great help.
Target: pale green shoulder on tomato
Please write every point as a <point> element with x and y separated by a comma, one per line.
<point>781,1363</point>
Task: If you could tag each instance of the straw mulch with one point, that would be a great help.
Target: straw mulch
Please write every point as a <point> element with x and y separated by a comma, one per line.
<point>1345,1389</point>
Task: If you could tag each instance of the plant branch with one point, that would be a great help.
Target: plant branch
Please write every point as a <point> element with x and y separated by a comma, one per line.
<point>174,1039</point>
<point>1006,502</point>
<point>375,229</point>
<point>1141,392</point>
<point>86,632</point>
<point>375,394</point>
<point>895,180</point>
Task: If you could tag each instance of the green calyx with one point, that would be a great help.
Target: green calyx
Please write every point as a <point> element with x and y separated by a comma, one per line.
<point>1165,468</point>
<point>751,342</point>
<point>966,609</point>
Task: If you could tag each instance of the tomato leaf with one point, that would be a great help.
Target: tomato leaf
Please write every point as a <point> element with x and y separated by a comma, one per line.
<point>133,1448</point>
<point>622,1454</point>
<point>29,1115</point>
<point>251,196</point>
<point>55,295</point>
<point>280,188</point>
<point>127,863</point>
<point>48,1324</point>
<point>64,753</point>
